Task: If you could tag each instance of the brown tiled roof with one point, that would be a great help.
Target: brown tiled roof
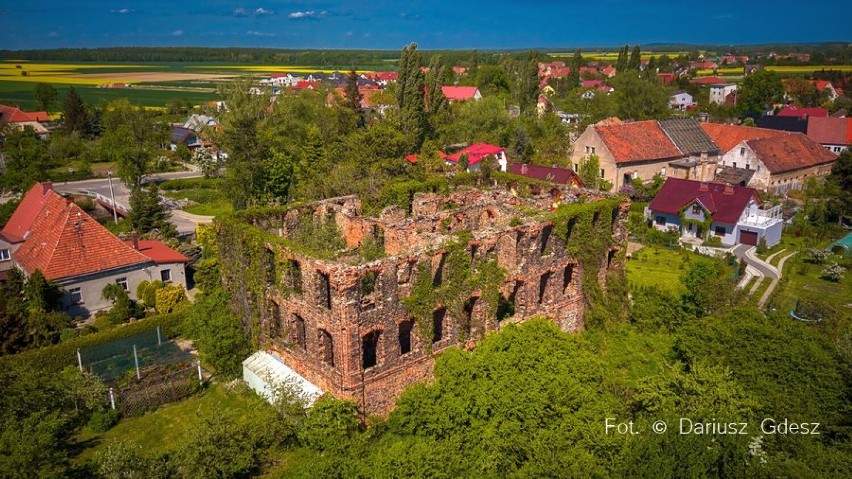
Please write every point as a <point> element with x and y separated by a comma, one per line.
<point>637,141</point>
<point>729,136</point>
<point>828,130</point>
<point>19,223</point>
<point>790,152</point>
<point>64,242</point>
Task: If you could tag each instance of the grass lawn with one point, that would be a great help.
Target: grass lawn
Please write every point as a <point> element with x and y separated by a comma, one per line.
<point>206,192</point>
<point>655,266</point>
<point>801,280</point>
<point>162,430</point>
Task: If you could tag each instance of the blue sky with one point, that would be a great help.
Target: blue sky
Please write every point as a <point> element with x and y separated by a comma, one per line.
<point>380,24</point>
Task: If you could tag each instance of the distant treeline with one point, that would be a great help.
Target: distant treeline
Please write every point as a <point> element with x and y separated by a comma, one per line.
<point>822,53</point>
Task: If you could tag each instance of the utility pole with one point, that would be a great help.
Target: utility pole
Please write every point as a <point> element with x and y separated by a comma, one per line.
<point>112,194</point>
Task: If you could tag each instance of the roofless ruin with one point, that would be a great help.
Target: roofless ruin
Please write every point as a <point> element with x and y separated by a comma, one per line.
<point>359,306</point>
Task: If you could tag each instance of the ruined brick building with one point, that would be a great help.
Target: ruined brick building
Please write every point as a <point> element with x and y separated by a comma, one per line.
<point>341,323</point>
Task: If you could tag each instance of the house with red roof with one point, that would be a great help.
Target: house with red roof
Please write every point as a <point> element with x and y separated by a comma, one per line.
<point>834,134</point>
<point>559,176</point>
<point>19,119</point>
<point>781,162</point>
<point>461,93</point>
<point>730,213</point>
<point>704,81</point>
<point>51,234</point>
<point>475,153</point>
<point>642,149</point>
<point>802,112</point>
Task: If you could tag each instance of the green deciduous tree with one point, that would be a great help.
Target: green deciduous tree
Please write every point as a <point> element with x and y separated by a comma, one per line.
<point>217,333</point>
<point>760,91</point>
<point>132,139</point>
<point>46,95</point>
<point>219,447</point>
<point>639,98</point>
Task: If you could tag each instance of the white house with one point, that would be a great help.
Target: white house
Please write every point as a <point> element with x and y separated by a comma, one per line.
<point>681,100</point>
<point>719,93</point>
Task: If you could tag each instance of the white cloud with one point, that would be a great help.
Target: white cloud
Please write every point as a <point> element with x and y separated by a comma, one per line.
<point>310,14</point>
<point>122,11</point>
<point>241,12</point>
<point>244,12</point>
<point>52,35</point>
<point>263,11</point>
<point>259,34</point>
<point>177,33</point>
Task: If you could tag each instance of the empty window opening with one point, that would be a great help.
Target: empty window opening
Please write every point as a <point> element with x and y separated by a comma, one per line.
<point>293,276</point>
<point>545,236</point>
<point>438,324</point>
<point>405,328</point>
<point>367,283</point>
<point>439,272</point>
<point>595,218</point>
<point>542,286</point>
<point>506,306</point>
<point>469,307</point>
<point>297,332</point>
<point>609,257</point>
<point>614,217</point>
<point>324,290</point>
<point>275,321</point>
<point>369,349</point>
<point>326,347</point>
<point>570,228</point>
<point>567,276</point>
<point>268,267</point>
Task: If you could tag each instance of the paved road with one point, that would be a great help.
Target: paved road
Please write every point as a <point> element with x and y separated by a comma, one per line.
<point>747,252</point>
<point>184,222</point>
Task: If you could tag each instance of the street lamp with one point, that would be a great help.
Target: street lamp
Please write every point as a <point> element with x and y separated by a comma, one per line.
<point>112,194</point>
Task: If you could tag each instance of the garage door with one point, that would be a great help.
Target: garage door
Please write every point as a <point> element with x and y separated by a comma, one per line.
<point>748,237</point>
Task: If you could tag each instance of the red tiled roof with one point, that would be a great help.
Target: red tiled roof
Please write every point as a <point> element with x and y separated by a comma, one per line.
<point>822,84</point>
<point>65,242</point>
<point>159,252</point>
<point>637,141</point>
<point>793,110</point>
<point>707,81</point>
<point>829,130</point>
<point>475,153</point>
<point>723,207</point>
<point>459,92</point>
<point>19,223</point>
<point>13,114</point>
<point>304,84</point>
<point>790,152</point>
<point>561,176</point>
<point>729,136</point>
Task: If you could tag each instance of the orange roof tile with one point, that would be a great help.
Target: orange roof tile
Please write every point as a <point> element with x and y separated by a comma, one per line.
<point>828,130</point>
<point>637,141</point>
<point>729,136</point>
<point>64,242</point>
<point>19,223</point>
<point>790,152</point>
<point>158,252</point>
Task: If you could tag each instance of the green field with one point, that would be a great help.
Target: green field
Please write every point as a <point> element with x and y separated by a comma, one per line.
<point>21,94</point>
<point>655,266</point>
<point>208,193</point>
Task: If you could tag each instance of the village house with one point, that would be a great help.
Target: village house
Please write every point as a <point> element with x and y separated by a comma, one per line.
<point>642,149</point>
<point>834,134</point>
<point>723,94</point>
<point>18,119</point>
<point>680,100</point>
<point>559,176</point>
<point>475,153</point>
<point>51,234</point>
<point>461,93</point>
<point>704,210</point>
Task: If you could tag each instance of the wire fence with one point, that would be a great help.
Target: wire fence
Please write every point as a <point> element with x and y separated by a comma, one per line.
<point>114,360</point>
<point>160,385</point>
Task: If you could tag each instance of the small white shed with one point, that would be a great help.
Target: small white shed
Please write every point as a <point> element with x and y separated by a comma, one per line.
<point>264,371</point>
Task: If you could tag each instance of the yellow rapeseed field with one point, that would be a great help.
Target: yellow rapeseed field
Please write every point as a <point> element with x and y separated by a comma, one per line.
<point>66,73</point>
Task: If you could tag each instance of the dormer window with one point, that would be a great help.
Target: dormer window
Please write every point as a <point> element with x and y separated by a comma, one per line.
<point>696,209</point>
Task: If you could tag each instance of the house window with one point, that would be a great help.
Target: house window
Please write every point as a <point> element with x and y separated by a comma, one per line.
<point>593,150</point>
<point>4,255</point>
<point>405,328</point>
<point>696,209</point>
<point>735,164</point>
<point>663,171</point>
<point>661,220</point>
<point>748,167</point>
<point>742,152</point>
<point>602,172</point>
<point>720,231</point>
<point>166,275</point>
<point>576,167</point>
<point>76,295</point>
<point>123,283</point>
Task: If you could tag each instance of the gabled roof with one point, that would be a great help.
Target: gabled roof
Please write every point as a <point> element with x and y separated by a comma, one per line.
<point>65,242</point>
<point>158,252</point>
<point>729,136</point>
<point>834,131</point>
<point>724,202</point>
<point>560,176</point>
<point>688,136</point>
<point>637,141</point>
<point>790,152</point>
<point>475,153</point>
<point>13,114</point>
<point>707,81</point>
<point>459,92</point>
<point>793,110</point>
<point>18,226</point>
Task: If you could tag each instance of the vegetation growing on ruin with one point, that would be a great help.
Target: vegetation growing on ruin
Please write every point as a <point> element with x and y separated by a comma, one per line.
<point>461,278</point>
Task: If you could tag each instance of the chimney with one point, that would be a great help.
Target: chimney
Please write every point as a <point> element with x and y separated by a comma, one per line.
<point>135,239</point>
<point>703,186</point>
<point>729,190</point>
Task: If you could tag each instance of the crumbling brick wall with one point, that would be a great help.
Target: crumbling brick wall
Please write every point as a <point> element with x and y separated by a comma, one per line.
<point>342,323</point>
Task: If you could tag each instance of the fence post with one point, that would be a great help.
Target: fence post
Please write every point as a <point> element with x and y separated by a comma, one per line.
<point>136,360</point>
<point>79,359</point>
<point>111,399</point>
<point>198,366</point>
<point>159,338</point>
